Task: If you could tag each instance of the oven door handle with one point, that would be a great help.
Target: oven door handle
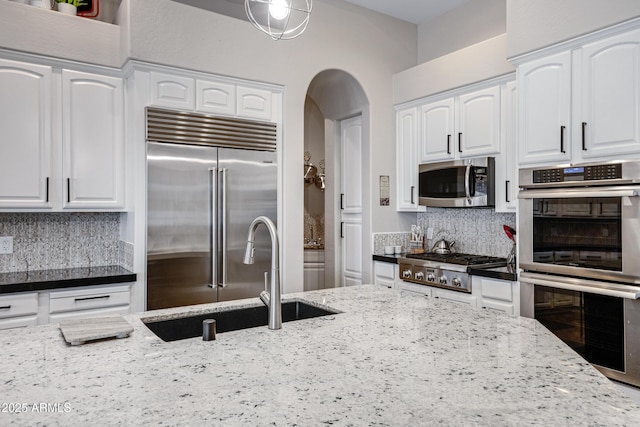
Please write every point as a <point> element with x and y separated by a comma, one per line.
<point>582,285</point>
<point>565,193</point>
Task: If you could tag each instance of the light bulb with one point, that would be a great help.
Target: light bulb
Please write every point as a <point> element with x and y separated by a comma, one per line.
<point>278,9</point>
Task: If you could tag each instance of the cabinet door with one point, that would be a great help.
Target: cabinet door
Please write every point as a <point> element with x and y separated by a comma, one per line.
<point>436,134</point>
<point>351,144</point>
<point>478,123</point>
<point>253,103</point>
<point>215,97</point>
<point>608,106</point>
<point>172,91</point>
<point>406,164</point>
<point>544,113</point>
<point>506,164</point>
<point>93,141</point>
<point>25,123</point>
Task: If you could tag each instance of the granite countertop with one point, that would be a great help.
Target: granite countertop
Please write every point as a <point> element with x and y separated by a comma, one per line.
<point>41,280</point>
<point>391,358</point>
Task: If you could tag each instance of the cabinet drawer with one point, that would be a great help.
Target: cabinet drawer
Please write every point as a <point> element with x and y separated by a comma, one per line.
<point>18,305</point>
<point>86,299</point>
<point>497,290</point>
<point>18,322</point>
<point>385,269</point>
<point>501,307</point>
<point>109,311</point>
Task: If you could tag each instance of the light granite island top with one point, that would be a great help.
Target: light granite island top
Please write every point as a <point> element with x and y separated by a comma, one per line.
<point>389,359</point>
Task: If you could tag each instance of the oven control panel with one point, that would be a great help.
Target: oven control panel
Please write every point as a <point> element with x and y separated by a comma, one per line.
<point>578,173</point>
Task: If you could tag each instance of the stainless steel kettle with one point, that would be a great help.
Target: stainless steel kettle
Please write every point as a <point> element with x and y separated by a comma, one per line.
<point>443,247</point>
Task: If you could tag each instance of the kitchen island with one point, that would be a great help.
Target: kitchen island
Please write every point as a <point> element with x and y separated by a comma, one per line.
<point>389,358</point>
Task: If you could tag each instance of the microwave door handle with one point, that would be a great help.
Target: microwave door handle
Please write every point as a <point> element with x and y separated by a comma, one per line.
<point>467,183</point>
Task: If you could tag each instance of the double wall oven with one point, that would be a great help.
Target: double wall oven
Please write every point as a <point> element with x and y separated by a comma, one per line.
<point>579,229</point>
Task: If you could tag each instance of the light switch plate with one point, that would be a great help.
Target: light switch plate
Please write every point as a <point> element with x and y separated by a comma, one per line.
<point>6,245</point>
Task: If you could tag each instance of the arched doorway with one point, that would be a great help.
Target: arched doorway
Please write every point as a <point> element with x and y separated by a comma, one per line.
<point>337,133</point>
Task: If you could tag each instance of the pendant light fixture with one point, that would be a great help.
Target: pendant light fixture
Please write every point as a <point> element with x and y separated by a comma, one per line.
<point>280,19</point>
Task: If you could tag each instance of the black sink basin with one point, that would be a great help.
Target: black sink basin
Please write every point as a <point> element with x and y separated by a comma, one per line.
<point>232,320</point>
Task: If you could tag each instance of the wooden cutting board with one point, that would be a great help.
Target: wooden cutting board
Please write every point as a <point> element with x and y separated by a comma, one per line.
<point>84,330</point>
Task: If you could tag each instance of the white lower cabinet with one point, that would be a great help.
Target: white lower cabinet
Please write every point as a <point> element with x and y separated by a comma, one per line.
<point>498,295</point>
<point>313,270</point>
<point>40,308</point>
<point>385,274</point>
<point>457,297</point>
<point>89,301</point>
<point>18,310</point>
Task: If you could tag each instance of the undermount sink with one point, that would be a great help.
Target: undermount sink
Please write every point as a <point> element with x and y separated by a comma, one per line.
<point>232,320</point>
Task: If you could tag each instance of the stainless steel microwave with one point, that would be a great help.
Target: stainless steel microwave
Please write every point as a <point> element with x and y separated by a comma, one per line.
<point>458,183</point>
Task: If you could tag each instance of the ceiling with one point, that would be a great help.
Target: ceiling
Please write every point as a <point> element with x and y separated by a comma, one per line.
<point>415,11</point>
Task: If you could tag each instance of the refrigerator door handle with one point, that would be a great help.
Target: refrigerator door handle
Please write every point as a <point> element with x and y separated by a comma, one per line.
<point>223,220</point>
<point>213,220</point>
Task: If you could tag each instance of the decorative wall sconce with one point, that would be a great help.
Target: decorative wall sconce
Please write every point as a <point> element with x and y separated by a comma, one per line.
<point>319,178</point>
<point>310,171</point>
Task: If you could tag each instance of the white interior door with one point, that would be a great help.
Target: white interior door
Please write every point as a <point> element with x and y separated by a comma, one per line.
<point>351,200</point>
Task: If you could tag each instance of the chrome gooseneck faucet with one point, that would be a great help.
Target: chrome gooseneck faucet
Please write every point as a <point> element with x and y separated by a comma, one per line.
<point>271,299</point>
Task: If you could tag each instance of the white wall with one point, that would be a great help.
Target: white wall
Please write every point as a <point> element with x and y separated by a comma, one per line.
<point>367,45</point>
<point>472,64</point>
<point>471,23</point>
<point>532,25</point>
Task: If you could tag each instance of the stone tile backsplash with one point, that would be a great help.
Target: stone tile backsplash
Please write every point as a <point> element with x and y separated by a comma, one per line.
<point>63,240</point>
<point>475,231</point>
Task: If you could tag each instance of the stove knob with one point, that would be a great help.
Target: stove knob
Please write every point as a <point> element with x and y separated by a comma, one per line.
<point>457,282</point>
<point>431,277</point>
<point>419,275</point>
<point>407,274</point>
<point>443,279</point>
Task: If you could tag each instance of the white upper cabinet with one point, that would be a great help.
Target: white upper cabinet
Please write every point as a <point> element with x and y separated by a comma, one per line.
<point>464,126</point>
<point>25,121</point>
<point>544,88</point>
<point>607,105</point>
<point>479,123</point>
<point>92,140</point>
<point>172,91</point>
<point>406,160</point>
<point>254,103</point>
<point>506,164</point>
<point>211,95</point>
<point>581,105</point>
<point>215,97</point>
<point>437,128</point>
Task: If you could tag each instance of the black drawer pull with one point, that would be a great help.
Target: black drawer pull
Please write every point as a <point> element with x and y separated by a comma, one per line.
<point>5,307</point>
<point>584,137</point>
<point>448,144</point>
<point>92,298</point>
<point>459,142</point>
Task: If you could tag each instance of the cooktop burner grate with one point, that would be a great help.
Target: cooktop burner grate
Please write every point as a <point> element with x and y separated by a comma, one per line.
<point>459,258</point>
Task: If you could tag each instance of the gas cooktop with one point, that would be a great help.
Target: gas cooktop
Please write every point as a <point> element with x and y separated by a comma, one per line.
<point>461,259</point>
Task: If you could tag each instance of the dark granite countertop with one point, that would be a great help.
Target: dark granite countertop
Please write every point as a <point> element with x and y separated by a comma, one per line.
<point>393,259</point>
<point>502,273</point>
<point>41,280</point>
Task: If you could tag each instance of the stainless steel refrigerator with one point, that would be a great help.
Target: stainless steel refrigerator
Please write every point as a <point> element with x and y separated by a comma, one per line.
<point>200,202</point>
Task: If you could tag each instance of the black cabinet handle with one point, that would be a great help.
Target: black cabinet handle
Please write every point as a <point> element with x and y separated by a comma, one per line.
<point>562,128</point>
<point>5,307</point>
<point>47,190</point>
<point>506,191</point>
<point>412,191</point>
<point>68,190</point>
<point>91,298</point>
<point>342,230</point>
<point>341,201</point>
<point>459,142</point>
<point>449,144</point>
<point>584,137</point>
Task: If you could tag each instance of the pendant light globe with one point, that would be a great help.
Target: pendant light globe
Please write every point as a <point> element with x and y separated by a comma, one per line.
<point>280,19</point>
